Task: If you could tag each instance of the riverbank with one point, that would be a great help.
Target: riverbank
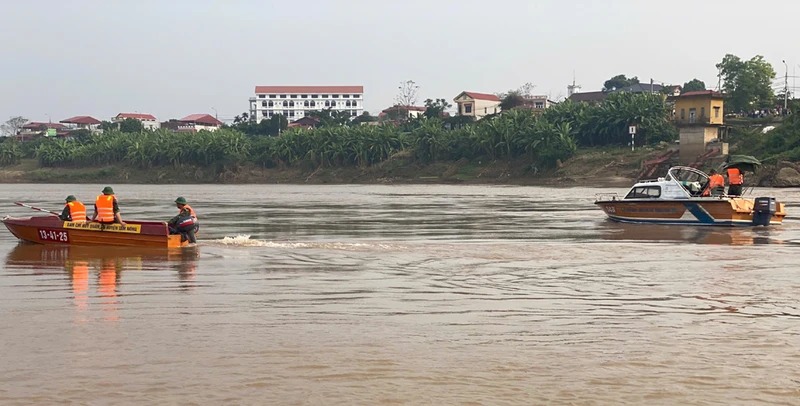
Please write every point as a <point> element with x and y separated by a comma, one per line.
<point>589,167</point>
<point>609,167</point>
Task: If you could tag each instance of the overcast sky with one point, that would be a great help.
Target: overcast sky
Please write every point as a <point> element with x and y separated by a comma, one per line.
<point>172,58</point>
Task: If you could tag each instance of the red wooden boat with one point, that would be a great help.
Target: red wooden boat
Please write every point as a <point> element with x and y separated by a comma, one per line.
<point>54,231</point>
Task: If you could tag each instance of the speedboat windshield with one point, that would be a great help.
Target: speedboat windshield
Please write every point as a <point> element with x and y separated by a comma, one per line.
<point>691,179</point>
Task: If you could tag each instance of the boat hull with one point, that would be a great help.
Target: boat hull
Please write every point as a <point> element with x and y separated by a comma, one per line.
<point>51,230</point>
<point>701,211</point>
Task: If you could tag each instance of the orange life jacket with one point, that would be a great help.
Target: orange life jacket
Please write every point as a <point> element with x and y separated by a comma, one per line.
<point>714,181</point>
<point>77,211</point>
<point>191,211</point>
<point>105,208</point>
<point>735,176</point>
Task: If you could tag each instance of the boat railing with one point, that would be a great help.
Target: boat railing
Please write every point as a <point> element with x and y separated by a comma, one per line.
<point>604,197</point>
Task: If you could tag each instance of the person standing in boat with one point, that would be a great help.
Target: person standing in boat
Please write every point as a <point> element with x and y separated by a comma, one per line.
<point>185,223</point>
<point>73,210</point>
<point>735,181</point>
<point>716,184</point>
<point>106,208</point>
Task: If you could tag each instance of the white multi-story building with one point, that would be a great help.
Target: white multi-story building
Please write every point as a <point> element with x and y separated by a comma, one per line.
<point>293,102</point>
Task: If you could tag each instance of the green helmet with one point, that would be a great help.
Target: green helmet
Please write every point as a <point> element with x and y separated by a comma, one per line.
<point>108,191</point>
<point>180,200</point>
<point>70,198</point>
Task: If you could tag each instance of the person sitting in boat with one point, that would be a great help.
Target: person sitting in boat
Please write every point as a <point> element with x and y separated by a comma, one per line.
<point>715,185</point>
<point>106,208</point>
<point>185,223</point>
<point>735,181</point>
<point>73,210</point>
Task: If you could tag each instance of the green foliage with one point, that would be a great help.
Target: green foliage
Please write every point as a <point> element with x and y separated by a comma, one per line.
<point>511,100</point>
<point>748,84</point>
<point>782,143</point>
<point>619,82</point>
<point>694,85</point>
<point>10,152</point>
<point>131,125</point>
<point>436,108</point>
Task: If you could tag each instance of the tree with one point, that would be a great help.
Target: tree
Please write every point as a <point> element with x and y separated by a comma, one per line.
<point>748,84</point>
<point>241,118</point>
<point>511,99</point>
<point>436,108</point>
<point>365,117</point>
<point>108,126</point>
<point>619,82</point>
<point>13,125</point>
<point>694,85</point>
<point>407,95</point>
<point>131,125</point>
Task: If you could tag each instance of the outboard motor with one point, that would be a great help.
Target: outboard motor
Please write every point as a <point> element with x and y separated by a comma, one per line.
<point>763,210</point>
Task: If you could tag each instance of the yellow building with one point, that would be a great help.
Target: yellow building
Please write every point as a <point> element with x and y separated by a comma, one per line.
<point>700,118</point>
<point>700,107</point>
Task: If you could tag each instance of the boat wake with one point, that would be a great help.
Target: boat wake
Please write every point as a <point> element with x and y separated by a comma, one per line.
<point>244,240</point>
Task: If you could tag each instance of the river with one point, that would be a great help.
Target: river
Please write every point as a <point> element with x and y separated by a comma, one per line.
<point>384,295</point>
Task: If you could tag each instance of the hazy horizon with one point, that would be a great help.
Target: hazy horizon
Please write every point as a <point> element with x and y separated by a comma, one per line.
<point>101,58</point>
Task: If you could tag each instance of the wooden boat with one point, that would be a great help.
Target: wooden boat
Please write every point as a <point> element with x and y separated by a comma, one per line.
<point>678,199</point>
<point>54,231</point>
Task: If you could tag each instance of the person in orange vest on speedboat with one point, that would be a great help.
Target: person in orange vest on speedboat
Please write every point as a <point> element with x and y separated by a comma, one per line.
<point>716,184</point>
<point>106,208</point>
<point>185,223</point>
<point>73,210</point>
<point>735,181</point>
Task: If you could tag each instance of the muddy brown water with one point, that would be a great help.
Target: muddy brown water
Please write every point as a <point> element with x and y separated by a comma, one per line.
<point>407,294</point>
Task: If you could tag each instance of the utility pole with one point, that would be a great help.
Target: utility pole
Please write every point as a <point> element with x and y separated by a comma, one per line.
<point>651,85</point>
<point>785,86</point>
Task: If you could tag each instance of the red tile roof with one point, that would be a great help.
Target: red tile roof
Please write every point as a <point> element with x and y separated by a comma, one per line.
<point>35,125</point>
<point>138,116</point>
<point>480,96</point>
<point>206,119</point>
<point>86,120</point>
<point>311,89</point>
<point>702,93</point>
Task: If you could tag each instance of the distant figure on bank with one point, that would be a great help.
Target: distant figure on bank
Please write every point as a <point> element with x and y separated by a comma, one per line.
<point>716,184</point>
<point>185,223</point>
<point>106,208</point>
<point>73,210</point>
<point>735,181</point>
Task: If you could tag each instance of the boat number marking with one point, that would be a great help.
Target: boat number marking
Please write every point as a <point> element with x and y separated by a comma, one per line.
<point>53,235</point>
<point>609,209</point>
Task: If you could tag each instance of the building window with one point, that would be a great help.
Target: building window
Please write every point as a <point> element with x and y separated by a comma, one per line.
<point>716,111</point>
<point>285,103</point>
<point>347,103</point>
<point>467,108</point>
<point>683,114</point>
<point>354,113</point>
<point>294,96</point>
<point>538,105</point>
<point>286,113</point>
<point>334,96</point>
<point>272,96</point>
<point>283,96</point>
<point>355,96</point>
<point>324,96</point>
<point>702,112</point>
<point>271,103</point>
<point>314,96</point>
<point>291,113</point>
<point>305,96</point>
<point>263,104</point>
<point>345,96</point>
<point>355,103</point>
<point>261,96</point>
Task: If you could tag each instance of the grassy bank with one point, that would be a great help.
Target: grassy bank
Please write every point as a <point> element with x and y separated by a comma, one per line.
<point>592,166</point>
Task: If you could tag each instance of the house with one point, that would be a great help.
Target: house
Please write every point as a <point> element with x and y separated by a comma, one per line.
<point>148,120</point>
<point>36,129</point>
<point>307,122</point>
<point>294,102</point>
<point>477,105</point>
<point>197,122</point>
<point>398,112</point>
<point>537,103</point>
<point>588,97</point>
<point>700,118</point>
<point>642,88</point>
<point>82,123</point>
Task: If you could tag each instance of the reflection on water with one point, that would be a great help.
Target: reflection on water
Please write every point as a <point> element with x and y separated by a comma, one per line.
<point>96,272</point>
<point>655,233</point>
